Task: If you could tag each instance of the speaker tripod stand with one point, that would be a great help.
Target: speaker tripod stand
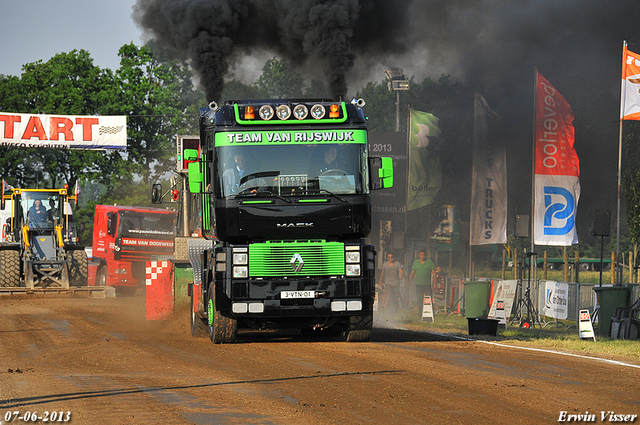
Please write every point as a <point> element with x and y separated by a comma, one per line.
<point>524,300</point>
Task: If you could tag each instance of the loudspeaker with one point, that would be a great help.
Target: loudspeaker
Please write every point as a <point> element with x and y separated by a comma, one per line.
<point>522,226</point>
<point>602,223</point>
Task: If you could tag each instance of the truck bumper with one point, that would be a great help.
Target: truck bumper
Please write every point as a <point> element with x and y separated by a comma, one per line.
<point>298,298</point>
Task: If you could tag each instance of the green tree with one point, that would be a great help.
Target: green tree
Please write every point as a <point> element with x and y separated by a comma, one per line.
<point>67,84</point>
<point>156,95</point>
<point>279,80</point>
<point>158,99</point>
<point>631,181</point>
<point>317,89</point>
<point>236,90</point>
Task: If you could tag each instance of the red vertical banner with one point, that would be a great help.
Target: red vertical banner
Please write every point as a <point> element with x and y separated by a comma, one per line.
<point>557,169</point>
<point>630,99</point>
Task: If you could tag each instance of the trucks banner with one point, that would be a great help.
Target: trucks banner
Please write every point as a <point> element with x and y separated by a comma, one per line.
<point>489,183</point>
<point>63,131</point>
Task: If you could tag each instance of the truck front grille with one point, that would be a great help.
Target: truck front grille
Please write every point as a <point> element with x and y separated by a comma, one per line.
<point>308,258</point>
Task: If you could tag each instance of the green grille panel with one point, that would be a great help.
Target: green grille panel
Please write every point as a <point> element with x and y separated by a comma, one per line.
<point>274,258</point>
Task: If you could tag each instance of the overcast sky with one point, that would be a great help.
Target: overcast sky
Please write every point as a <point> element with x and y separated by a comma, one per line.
<point>33,30</point>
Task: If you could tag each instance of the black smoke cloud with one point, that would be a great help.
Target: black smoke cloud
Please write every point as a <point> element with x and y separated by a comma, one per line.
<point>492,46</point>
<point>209,33</point>
<point>212,33</point>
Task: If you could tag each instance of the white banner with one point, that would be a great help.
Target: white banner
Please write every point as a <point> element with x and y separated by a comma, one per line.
<point>505,290</point>
<point>555,211</point>
<point>489,182</point>
<point>556,300</point>
<point>63,131</point>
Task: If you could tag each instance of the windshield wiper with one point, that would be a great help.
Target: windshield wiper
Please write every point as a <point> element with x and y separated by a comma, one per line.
<point>254,192</point>
<point>334,195</point>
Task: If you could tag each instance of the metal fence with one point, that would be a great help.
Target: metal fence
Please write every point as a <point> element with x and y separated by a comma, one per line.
<point>448,297</point>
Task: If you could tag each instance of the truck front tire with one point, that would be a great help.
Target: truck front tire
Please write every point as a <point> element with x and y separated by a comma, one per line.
<point>222,330</point>
<point>359,328</point>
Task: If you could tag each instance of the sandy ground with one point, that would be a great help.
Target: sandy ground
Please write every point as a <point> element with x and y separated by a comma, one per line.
<point>103,363</point>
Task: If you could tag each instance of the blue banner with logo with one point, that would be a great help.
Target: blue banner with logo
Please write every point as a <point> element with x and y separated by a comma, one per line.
<point>557,169</point>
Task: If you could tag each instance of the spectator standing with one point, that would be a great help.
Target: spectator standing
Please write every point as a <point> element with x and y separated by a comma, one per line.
<point>421,271</point>
<point>392,274</point>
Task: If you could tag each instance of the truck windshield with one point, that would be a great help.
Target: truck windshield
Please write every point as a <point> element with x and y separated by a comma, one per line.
<point>42,209</point>
<point>147,225</point>
<point>291,169</point>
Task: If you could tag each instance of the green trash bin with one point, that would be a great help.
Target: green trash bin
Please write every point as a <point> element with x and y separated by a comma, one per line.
<point>610,297</point>
<point>476,298</point>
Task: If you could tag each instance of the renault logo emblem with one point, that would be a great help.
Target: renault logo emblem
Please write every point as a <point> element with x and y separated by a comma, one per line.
<point>297,263</point>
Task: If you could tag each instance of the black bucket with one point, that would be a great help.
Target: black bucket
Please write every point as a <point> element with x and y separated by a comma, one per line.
<point>479,326</point>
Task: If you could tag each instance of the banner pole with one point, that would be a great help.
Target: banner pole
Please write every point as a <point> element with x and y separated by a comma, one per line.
<point>623,98</point>
<point>533,159</point>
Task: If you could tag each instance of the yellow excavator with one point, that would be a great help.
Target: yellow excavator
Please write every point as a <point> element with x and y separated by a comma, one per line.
<point>39,248</point>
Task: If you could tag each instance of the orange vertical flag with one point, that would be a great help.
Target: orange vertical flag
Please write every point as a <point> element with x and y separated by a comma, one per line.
<point>630,97</point>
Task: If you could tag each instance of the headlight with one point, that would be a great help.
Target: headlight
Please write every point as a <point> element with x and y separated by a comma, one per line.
<point>353,256</point>
<point>266,112</point>
<point>283,112</point>
<point>318,111</point>
<point>300,112</point>
<point>240,258</point>
<point>240,271</point>
<point>353,269</point>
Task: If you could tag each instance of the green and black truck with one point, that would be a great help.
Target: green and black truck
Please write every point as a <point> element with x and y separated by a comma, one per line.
<point>285,190</point>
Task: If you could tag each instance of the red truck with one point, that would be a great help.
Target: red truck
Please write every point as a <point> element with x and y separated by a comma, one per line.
<point>124,239</point>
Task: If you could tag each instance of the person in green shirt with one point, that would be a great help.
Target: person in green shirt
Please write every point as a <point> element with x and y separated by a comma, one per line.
<point>421,271</point>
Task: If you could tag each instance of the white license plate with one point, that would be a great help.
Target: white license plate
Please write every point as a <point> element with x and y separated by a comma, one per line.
<point>297,294</point>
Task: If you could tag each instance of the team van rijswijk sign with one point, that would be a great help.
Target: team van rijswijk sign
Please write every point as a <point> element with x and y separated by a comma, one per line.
<point>557,169</point>
<point>63,131</point>
<point>289,137</point>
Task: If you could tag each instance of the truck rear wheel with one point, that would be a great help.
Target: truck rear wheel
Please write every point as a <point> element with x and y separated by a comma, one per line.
<point>78,268</point>
<point>359,328</point>
<point>199,327</point>
<point>9,268</point>
<point>222,330</point>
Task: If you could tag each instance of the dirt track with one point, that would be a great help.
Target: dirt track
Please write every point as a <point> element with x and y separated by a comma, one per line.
<point>100,360</point>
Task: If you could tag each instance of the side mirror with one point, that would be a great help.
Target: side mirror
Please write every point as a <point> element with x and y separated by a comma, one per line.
<point>195,177</point>
<point>156,193</point>
<point>112,221</point>
<point>191,155</point>
<point>381,173</point>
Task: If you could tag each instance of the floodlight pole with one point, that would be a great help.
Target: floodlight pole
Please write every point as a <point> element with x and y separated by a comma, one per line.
<point>397,111</point>
<point>396,82</point>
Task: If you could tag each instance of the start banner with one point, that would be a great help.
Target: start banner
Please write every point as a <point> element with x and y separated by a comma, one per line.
<point>63,131</point>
